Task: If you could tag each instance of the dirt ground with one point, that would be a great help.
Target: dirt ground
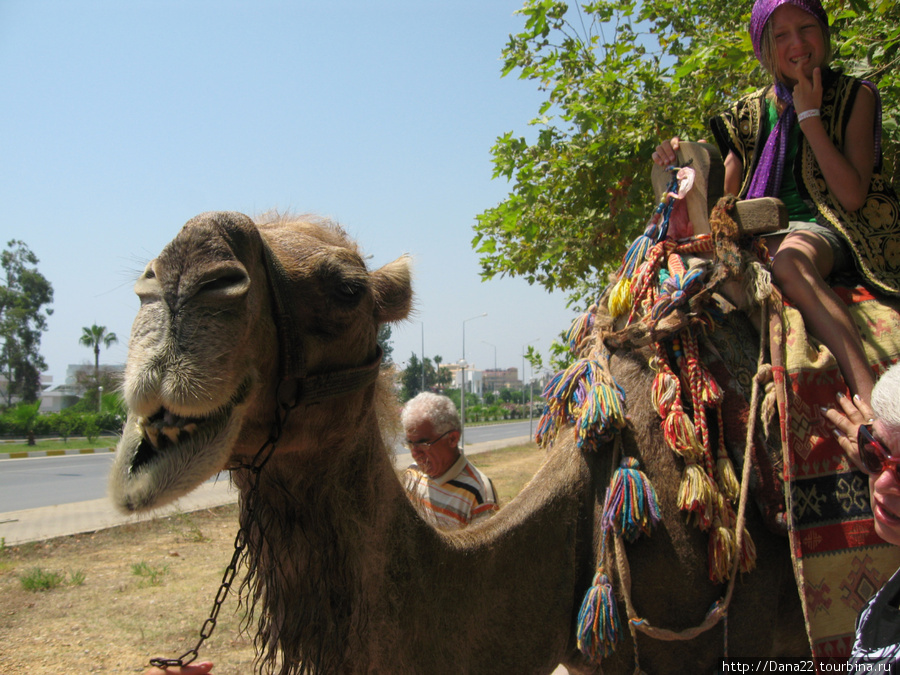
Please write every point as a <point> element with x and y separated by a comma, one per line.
<point>134,592</point>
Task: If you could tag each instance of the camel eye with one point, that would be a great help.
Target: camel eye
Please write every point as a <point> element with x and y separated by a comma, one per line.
<point>350,290</point>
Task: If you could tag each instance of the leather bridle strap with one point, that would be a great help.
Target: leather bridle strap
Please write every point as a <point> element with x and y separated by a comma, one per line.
<point>291,362</point>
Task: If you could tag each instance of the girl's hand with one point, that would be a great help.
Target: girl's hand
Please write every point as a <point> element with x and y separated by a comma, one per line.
<point>807,92</point>
<point>664,155</point>
<point>846,423</point>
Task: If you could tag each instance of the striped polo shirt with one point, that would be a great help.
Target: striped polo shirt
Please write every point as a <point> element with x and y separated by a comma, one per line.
<point>463,495</point>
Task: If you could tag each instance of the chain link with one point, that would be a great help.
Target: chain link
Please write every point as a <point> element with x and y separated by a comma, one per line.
<point>260,459</point>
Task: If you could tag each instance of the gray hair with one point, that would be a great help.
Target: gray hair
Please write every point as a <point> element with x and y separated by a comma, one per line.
<point>437,409</point>
<point>886,397</point>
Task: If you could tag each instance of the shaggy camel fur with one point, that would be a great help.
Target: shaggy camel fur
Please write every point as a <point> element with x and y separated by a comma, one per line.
<point>344,577</point>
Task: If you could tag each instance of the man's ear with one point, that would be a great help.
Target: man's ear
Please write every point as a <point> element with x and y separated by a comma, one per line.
<point>454,437</point>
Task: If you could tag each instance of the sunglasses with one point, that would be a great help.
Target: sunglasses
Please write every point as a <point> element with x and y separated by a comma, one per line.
<point>873,454</point>
<point>427,444</point>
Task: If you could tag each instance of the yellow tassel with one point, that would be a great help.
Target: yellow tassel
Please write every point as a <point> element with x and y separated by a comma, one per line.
<point>748,553</point>
<point>721,553</point>
<point>727,479</point>
<point>620,299</point>
<point>696,495</point>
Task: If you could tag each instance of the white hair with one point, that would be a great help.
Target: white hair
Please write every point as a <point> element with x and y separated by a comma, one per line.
<point>886,397</point>
<point>437,409</point>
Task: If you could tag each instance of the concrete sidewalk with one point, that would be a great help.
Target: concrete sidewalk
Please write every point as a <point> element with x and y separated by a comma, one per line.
<point>19,527</point>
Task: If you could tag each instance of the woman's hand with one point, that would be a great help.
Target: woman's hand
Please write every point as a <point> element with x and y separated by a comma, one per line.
<point>846,423</point>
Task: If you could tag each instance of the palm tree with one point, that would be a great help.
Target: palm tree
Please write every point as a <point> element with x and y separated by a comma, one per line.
<point>93,337</point>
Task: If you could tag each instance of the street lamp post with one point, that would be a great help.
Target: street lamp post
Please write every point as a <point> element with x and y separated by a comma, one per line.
<point>464,331</point>
<point>523,377</point>
<point>462,404</point>
<point>462,388</point>
<point>100,399</point>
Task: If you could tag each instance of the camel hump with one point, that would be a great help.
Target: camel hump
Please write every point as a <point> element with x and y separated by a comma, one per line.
<point>753,216</point>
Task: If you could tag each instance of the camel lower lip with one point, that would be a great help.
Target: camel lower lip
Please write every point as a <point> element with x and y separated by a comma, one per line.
<point>162,458</point>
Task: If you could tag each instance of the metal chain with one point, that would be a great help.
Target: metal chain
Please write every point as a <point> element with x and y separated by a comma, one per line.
<point>240,541</point>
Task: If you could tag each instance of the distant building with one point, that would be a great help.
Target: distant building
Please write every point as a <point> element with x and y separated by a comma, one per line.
<point>60,397</point>
<point>474,379</point>
<point>496,379</point>
<point>46,381</point>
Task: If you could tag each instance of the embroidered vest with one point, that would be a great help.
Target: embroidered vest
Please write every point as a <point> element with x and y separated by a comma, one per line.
<point>873,231</point>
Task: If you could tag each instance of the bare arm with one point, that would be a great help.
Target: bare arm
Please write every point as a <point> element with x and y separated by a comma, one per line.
<point>734,168</point>
<point>849,172</point>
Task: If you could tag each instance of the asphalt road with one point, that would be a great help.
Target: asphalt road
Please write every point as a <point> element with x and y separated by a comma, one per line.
<point>36,482</point>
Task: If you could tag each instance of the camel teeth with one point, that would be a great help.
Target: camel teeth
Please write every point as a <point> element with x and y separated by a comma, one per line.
<point>152,434</point>
<point>171,433</point>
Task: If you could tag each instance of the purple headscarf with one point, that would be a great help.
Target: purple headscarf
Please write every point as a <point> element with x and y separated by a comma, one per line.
<point>767,177</point>
<point>762,10</point>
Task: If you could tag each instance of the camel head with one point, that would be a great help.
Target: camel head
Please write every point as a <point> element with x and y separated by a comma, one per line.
<point>237,319</point>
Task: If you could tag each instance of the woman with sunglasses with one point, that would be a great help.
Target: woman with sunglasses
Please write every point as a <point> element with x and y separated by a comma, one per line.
<point>871,438</point>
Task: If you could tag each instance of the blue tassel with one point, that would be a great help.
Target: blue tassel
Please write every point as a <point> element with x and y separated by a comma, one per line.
<point>599,628</point>
<point>631,507</point>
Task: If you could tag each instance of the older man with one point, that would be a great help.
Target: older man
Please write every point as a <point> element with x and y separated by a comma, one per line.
<point>446,488</point>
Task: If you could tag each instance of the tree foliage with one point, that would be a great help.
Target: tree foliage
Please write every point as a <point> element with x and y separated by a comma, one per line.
<point>93,337</point>
<point>619,76</point>
<point>384,340</point>
<point>24,293</point>
<point>436,377</point>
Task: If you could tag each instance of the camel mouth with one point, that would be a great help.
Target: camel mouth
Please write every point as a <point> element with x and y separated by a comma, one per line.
<point>163,456</point>
<point>164,430</point>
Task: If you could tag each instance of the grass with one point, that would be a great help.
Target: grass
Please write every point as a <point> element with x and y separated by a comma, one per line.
<point>58,445</point>
<point>150,575</point>
<point>38,579</point>
<point>144,589</point>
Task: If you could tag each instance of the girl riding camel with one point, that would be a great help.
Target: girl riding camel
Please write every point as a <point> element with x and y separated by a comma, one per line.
<point>812,139</point>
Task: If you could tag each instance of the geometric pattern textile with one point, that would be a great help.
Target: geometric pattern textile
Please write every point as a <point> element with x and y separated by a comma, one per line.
<point>838,559</point>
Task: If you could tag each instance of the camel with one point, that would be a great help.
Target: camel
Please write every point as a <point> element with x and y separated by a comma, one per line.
<point>252,331</point>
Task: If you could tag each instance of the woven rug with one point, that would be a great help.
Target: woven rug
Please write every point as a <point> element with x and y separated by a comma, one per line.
<point>839,561</point>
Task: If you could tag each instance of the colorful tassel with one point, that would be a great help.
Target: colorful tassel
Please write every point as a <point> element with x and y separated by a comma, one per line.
<point>748,553</point>
<point>579,330</point>
<point>586,394</point>
<point>680,435</point>
<point>666,390</point>
<point>696,495</point>
<point>620,298</point>
<point>631,507</point>
<point>726,478</point>
<point>721,552</point>
<point>599,628</point>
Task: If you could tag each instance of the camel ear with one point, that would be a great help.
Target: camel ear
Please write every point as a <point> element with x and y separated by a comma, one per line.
<point>392,287</point>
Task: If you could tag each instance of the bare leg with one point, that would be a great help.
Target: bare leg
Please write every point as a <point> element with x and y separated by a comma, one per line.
<point>801,263</point>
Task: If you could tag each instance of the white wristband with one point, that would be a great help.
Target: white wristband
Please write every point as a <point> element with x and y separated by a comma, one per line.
<point>806,114</point>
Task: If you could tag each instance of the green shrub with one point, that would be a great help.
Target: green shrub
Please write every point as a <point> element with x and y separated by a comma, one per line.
<point>150,576</point>
<point>37,579</point>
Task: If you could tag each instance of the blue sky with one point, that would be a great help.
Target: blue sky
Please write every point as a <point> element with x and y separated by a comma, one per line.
<point>123,119</point>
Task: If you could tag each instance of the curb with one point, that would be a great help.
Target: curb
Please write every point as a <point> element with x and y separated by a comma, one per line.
<point>53,453</point>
